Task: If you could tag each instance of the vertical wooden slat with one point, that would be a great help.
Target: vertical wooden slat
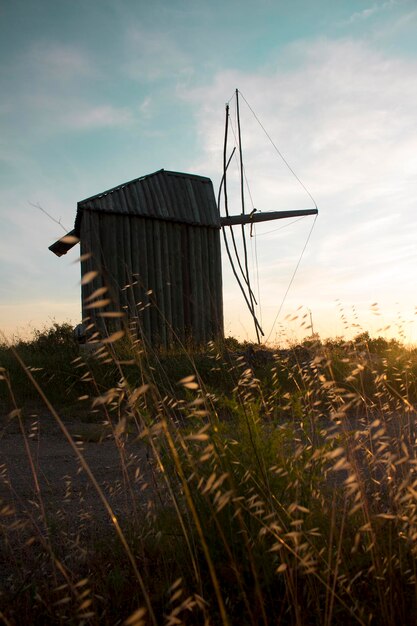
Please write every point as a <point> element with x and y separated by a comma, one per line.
<point>153,313</point>
<point>135,288</point>
<point>181,203</point>
<point>156,184</point>
<point>96,244</point>
<point>195,286</point>
<point>177,282</point>
<point>159,289</point>
<point>172,262</point>
<point>140,274</point>
<point>152,206</point>
<point>138,256</point>
<point>90,245</point>
<point>198,289</point>
<point>120,260</point>
<point>166,261</point>
<point>193,205</point>
<point>144,272</point>
<point>158,304</point>
<point>108,226</point>
<point>191,280</point>
<point>97,262</point>
<point>202,285</point>
<point>126,254</point>
<point>186,282</point>
<point>143,203</point>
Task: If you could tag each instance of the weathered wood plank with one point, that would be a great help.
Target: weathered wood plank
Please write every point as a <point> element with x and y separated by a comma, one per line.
<point>233,220</point>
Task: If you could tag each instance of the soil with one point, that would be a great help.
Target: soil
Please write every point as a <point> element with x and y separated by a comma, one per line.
<point>46,472</point>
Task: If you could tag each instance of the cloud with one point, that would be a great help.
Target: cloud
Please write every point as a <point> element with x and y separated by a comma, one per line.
<point>343,115</point>
<point>373,10</point>
<point>146,106</point>
<point>155,55</point>
<point>57,87</point>
<point>366,13</point>
<point>400,27</point>
<point>53,61</point>
<point>52,114</point>
<point>92,117</point>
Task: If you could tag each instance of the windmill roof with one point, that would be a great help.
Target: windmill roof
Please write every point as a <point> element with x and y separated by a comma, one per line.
<point>164,195</point>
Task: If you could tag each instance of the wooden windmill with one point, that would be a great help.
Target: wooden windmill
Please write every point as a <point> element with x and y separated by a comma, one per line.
<point>152,246</point>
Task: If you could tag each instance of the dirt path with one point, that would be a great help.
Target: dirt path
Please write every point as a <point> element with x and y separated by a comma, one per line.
<point>123,471</point>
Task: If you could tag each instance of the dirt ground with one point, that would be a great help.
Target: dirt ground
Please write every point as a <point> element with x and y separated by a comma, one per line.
<point>63,488</point>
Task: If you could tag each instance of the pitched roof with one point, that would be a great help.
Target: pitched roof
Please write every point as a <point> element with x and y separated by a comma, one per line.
<point>163,195</point>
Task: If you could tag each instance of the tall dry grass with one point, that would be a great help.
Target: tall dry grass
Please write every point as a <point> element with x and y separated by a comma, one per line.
<point>254,487</point>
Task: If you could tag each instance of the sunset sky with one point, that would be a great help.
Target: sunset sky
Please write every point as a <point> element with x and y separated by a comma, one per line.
<point>97,92</point>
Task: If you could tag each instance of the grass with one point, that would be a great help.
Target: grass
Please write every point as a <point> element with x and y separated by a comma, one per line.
<point>276,487</point>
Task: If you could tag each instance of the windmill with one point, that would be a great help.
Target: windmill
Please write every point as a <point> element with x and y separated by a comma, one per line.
<point>150,254</point>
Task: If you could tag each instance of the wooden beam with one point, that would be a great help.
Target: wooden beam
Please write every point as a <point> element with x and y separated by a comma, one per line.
<point>233,220</point>
<point>64,244</point>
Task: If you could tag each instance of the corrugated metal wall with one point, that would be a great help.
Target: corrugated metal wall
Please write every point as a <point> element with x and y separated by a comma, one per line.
<point>180,263</point>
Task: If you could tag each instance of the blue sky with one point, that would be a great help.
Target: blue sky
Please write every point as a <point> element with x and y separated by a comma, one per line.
<point>95,93</point>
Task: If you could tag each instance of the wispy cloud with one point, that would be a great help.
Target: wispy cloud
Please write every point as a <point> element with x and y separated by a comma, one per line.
<point>344,117</point>
<point>375,8</point>
<point>58,88</point>
<point>53,61</point>
<point>92,117</point>
<point>54,114</point>
<point>366,13</point>
<point>155,55</point>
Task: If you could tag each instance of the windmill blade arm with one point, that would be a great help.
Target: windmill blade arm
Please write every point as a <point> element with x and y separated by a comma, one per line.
<point>233,220</point>
<point>64,244</point>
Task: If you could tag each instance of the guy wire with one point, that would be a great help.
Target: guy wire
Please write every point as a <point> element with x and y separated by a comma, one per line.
<point>292,277</point>
<point>277,149</point>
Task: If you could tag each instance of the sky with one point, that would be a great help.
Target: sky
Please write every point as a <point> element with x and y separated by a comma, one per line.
<point>94,93</point>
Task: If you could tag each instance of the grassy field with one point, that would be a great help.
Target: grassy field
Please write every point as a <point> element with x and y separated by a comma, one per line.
<point>283,484</point>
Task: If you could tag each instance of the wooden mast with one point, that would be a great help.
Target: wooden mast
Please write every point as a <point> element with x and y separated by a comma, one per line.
<point>251,218</point>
